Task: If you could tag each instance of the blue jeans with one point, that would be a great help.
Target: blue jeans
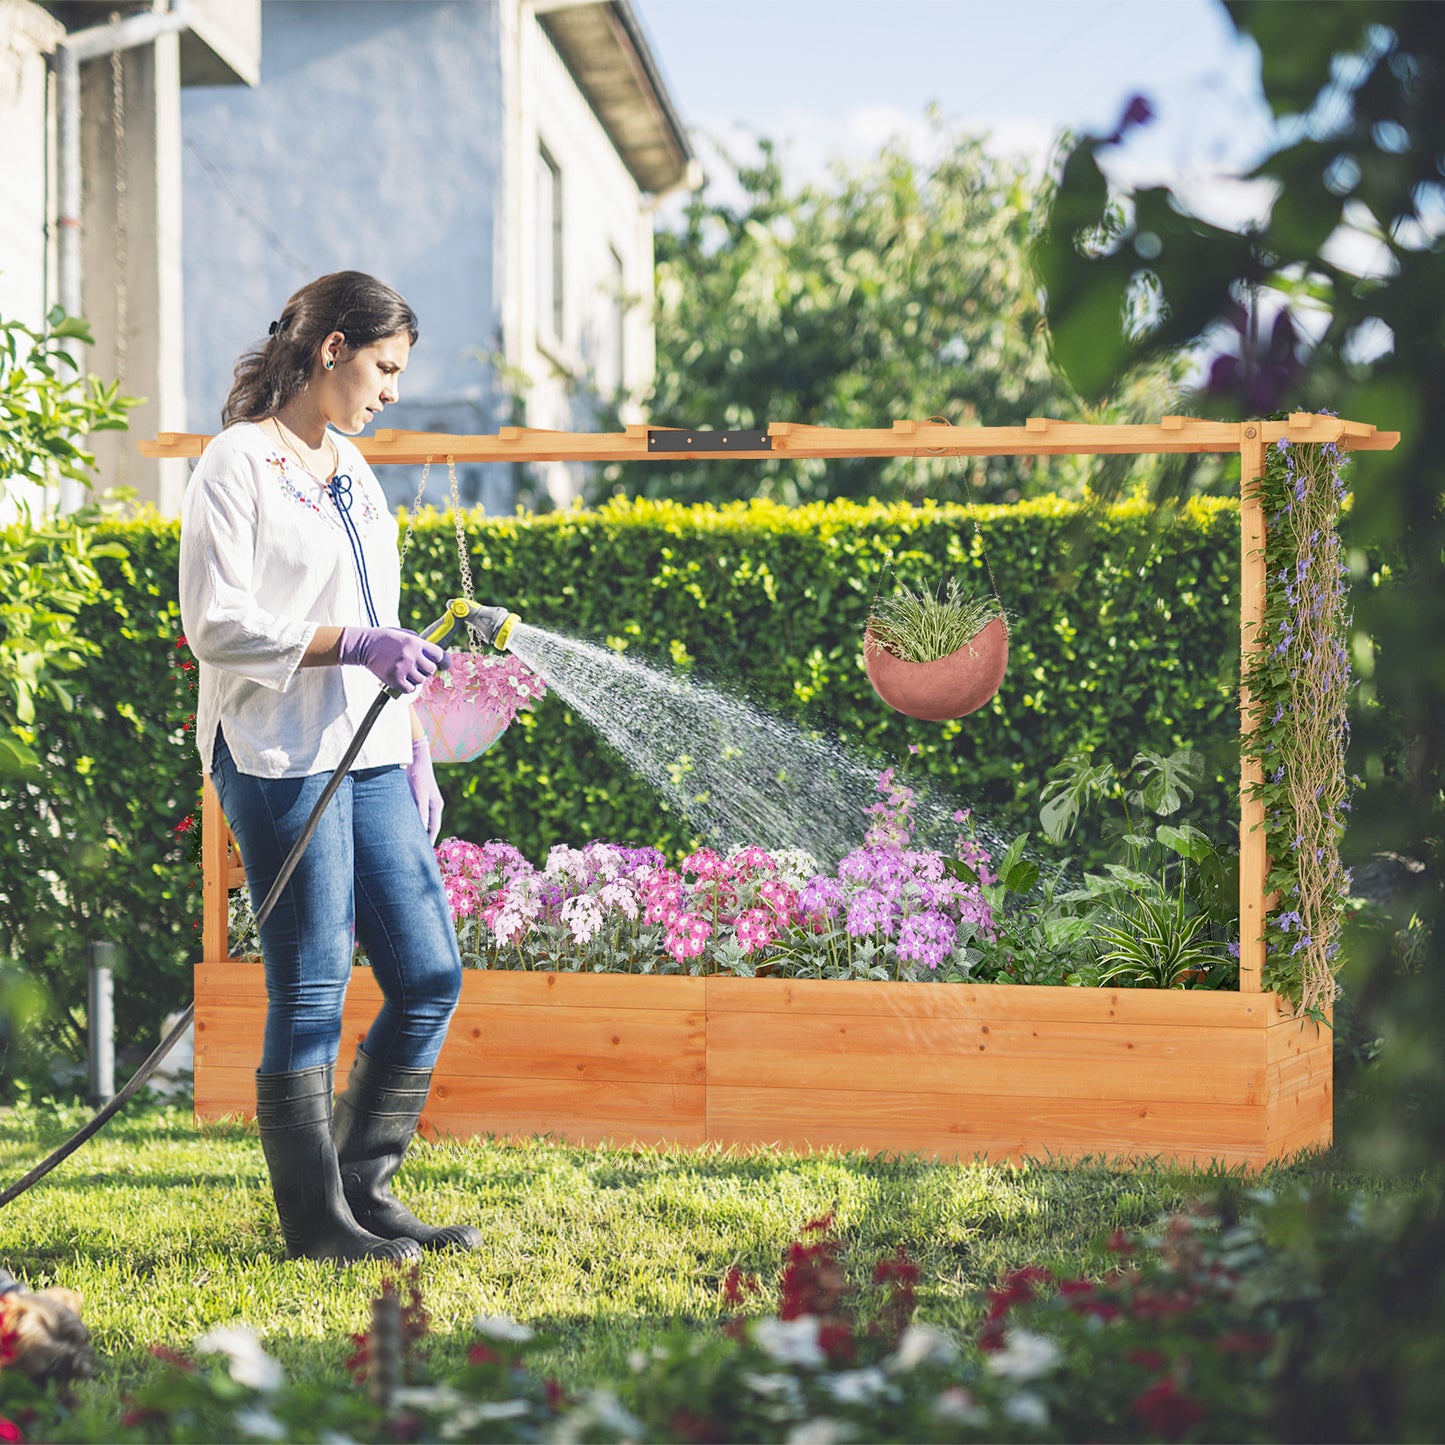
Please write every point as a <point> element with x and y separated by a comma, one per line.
<point>369,875</point>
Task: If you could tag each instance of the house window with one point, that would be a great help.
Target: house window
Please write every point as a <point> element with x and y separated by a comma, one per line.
<point>550,315</point>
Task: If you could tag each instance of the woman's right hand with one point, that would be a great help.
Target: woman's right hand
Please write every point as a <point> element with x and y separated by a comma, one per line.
<point>399,660</point>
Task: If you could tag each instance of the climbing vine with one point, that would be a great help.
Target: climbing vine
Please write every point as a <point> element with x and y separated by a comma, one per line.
<point>1298,681</point>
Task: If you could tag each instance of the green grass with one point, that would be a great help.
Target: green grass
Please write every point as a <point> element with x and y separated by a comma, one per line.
<point>168,1229</point>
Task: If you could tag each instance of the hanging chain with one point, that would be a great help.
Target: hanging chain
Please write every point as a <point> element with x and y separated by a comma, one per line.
<point>463,557</point>
<point>415,511</point>
<point>973,512</point>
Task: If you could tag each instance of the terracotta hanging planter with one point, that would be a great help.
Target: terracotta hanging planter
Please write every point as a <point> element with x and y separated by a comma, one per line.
<point>949,687</point>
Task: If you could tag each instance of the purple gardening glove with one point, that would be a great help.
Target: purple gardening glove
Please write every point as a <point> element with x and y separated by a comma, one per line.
<point>424,788</point>
<point>401,661</point>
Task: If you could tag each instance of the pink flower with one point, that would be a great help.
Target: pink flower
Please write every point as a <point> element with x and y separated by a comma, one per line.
<point>781,899</point>
<point>686,935</point>
<point>705,863</point>
<point>748,861</point>
<point>755,929</point>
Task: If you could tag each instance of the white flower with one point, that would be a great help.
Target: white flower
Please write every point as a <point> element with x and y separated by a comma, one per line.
<point>501,1327</point>
<point>250,1365</point>
<point>259,1425</point>
<point>770,1384</point>
<point>1026,1408</point>
<point>790,1342</point>
<point>955,1405</point>
<point>1025,1356</point>
<point>821,1431</point>
<point>599,1416</point>
<point>582,916</point>
<point>857,1387</point>
<point>920,1345</point>
<point>619,896</point>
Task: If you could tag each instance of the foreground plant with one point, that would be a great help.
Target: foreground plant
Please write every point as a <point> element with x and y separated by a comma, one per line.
<point>1303,1316</point>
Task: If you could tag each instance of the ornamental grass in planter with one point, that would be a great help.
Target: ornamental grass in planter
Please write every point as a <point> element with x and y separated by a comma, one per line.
<point>936,655</point>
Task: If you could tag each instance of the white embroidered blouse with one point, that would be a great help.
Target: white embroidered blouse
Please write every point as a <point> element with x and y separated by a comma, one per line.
<point>268,555</point>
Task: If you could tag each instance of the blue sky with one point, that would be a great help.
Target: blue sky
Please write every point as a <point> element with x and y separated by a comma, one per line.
<point>840,77</point>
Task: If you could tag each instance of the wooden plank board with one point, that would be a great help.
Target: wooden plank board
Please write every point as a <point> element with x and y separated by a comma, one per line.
<point>558,1042</point>
<point>1039,436</point>
<point>1010,1128</point>
<point>988,1002</point>
<point>819,1053</point>
<point>578,1112</point>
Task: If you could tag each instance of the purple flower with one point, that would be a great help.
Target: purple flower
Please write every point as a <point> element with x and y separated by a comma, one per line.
<point>870,912</point>
<point>926,938</point>
<point>821,897</point>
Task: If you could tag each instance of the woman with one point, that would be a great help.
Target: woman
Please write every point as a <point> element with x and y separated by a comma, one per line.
<point>289,581</point>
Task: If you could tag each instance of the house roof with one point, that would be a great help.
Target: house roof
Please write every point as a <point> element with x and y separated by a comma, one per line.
<point>604,47</point>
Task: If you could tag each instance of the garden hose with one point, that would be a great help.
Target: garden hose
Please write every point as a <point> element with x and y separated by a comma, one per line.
<point>494,626</point>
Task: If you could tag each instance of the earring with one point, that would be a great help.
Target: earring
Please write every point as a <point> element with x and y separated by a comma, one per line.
<point>329,365</point>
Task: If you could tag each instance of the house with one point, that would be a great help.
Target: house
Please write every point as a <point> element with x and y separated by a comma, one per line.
<point>494,160</point>
<point>497,161</point>
<point>90,104</point>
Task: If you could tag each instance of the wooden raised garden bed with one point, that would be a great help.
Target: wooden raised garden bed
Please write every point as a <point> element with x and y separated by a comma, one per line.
<point>945,1071</point>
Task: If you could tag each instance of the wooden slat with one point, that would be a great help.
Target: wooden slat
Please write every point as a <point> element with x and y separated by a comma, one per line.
<point>1009,1128</point>
<point>989,1002</point>
<point>578,1112</point>
<point>1253,862</point>
<point>673,993</point>
<point>556,1042</point>
<point>1039,436</point>
<point>840,1056</point>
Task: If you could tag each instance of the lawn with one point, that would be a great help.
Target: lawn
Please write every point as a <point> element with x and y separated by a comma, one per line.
<point>168,1230</point>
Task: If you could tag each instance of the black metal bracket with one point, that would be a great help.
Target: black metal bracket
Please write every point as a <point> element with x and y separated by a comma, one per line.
<point>668,440</point>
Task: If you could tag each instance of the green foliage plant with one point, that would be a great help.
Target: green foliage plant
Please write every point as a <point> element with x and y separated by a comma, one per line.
<point>925,625</point>
<point>47,561</point>
<point>1160,913</point>
<point>1298,681</point>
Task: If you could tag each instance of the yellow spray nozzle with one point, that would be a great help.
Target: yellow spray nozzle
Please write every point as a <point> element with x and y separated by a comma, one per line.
<point>505,631</point>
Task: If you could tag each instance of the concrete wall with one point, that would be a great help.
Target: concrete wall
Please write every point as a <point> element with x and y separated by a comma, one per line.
<point>373,142</point>
<point>605,222</point>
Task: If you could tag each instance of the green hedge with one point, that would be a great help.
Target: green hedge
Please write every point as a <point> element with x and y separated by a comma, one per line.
<point>1124,636</point>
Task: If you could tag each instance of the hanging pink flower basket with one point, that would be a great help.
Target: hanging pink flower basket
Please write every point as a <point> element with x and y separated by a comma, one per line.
<point>465,709</point>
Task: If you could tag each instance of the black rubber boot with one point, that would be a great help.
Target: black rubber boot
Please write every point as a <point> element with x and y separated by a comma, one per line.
<point>293,1113</point>
<point>373,1124</point>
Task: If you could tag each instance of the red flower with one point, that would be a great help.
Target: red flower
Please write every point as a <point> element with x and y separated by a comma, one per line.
<point>1238,1342</point>
<point>1147,1359</point>
<point>171,1357</point>
<point>736,1285</point>
<point>481,1354</point>
<point>836,1341</point>
<point>1167,1410</point>
<point>1120,1243</point>
<point>9,1430</point>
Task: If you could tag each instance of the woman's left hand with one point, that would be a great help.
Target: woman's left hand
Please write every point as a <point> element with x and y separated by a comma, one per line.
<point>424,788</point>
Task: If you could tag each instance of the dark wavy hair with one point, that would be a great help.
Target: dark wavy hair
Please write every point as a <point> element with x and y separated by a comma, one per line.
<point>359,306</point>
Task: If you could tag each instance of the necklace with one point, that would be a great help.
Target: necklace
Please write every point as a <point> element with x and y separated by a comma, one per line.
<point>294,447</point>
